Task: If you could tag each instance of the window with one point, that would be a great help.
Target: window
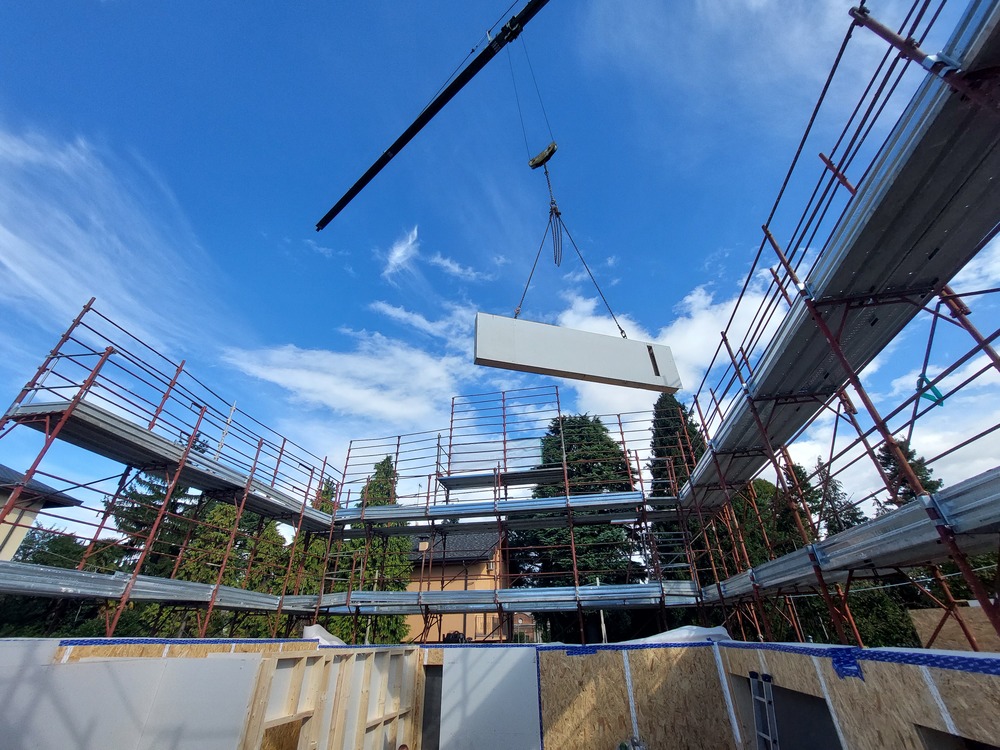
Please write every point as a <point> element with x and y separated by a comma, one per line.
<point>936,740</point>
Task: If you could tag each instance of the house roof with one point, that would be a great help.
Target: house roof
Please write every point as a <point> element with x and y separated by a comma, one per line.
<point>34,490</point>
<point>458,548</point>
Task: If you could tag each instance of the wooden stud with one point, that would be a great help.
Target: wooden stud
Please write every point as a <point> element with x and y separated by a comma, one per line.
<point>253,732</point>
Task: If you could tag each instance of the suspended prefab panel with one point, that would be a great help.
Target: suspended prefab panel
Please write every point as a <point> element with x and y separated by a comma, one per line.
<point>568,353</point>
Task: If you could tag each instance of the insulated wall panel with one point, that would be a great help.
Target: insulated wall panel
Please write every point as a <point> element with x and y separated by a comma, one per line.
<point>567,353</point>
<point>489,699</point>
<point>124,703</point>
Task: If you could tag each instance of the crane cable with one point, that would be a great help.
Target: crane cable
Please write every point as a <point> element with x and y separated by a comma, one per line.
<point>555,224</point>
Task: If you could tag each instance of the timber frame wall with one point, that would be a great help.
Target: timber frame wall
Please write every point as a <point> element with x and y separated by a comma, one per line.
<point>293,694</point>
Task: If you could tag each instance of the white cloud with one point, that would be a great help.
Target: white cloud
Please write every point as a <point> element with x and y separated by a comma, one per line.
<point>387,382</point>
<point>404,255</point>
<point>326,252</point>
<point>454,328</point>
<point>693,337</point>
<point>982,272</point>
<point>452,268</point>
<point>401,255</point>
<point>78,221</point>
<point>774,49</point>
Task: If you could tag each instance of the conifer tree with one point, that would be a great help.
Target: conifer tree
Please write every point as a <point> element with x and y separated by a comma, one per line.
<point>543,557</point>
<point>676,446</point>
<point>900,493</point>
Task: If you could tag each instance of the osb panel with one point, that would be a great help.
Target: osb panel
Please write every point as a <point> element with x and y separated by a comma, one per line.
<point>740,661</point>
<point>881,710</point>
<point>177,650</point>
<point>584,701</point>
<point>434,657</point>
<point>256,648</point>
<point>282,737</point>
<point>679,701</point>
<point>296,646</point>
<point>972,700</point>
<point>197,650</point>
<point>118,651</point>
<point>794,671</point>
<point>951,635</point>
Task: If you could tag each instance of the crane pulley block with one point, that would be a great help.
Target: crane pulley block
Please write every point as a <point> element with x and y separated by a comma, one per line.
<point>543,158</point>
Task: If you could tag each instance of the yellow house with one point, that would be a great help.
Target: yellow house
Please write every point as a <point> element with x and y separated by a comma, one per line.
<point>458,562</point>
<point>34,497</point>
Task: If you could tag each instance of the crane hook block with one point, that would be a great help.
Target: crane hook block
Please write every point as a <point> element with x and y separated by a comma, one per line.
<point>543,157</point>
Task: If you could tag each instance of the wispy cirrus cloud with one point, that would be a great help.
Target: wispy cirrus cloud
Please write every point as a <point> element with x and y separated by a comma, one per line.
<point>404,257</point>
<point>453,329</point>
<point>386,382</point>
<point>78,220</point>
<point>401,255</point>
<point>453,268</point>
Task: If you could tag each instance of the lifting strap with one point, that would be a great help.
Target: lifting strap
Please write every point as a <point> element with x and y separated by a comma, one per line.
<point>557,227</point>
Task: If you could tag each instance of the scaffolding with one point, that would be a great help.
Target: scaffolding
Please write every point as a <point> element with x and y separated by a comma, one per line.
<point>873,258</point>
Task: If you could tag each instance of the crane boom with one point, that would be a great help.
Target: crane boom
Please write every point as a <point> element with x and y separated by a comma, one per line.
<point>508,33</point>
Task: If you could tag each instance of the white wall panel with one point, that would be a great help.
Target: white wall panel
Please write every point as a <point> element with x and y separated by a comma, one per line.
<point>489,699</point>
<point>568,353</point>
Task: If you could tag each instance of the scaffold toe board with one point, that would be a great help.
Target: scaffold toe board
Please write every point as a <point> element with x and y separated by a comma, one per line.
<point>548,599</point>
<point>41,580</point>
<point>512,344</point>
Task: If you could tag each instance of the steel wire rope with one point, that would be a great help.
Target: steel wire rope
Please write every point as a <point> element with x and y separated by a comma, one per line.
<point>784,186</point>
<point>860,136</point>
<point>555,224</point>
<point>538,93</point>
<point>881,98</point>
<point>794,244</point>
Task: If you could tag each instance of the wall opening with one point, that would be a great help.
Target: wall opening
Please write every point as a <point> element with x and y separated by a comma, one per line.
<point>934,739</point>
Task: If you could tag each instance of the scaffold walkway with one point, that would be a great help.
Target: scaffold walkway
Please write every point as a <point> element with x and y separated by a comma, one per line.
<point>903,538</point>
<point>61,583</point>
<point>916,220</point>
<point>107,434</point>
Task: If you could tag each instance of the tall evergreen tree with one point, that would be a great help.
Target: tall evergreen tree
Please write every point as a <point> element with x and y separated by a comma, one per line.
<point>595,464</point>
<point>831,506</point>
<point>677,444</point>
<point>900,493</point>
<point>134,514</point>
<point>383,564</point>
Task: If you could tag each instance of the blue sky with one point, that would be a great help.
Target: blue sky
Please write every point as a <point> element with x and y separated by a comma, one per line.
<point>172,160</point>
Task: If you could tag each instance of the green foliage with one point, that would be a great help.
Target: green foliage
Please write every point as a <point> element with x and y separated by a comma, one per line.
<point>33,617</point>
<point>381,563</point>
<point>677,444</point>
<point>596,464</point>
<point>830,505</point>
<point>135,513</point>
<point>900,491</point>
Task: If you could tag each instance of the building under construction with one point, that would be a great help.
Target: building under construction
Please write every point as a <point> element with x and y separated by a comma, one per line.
<point>886,255</point>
